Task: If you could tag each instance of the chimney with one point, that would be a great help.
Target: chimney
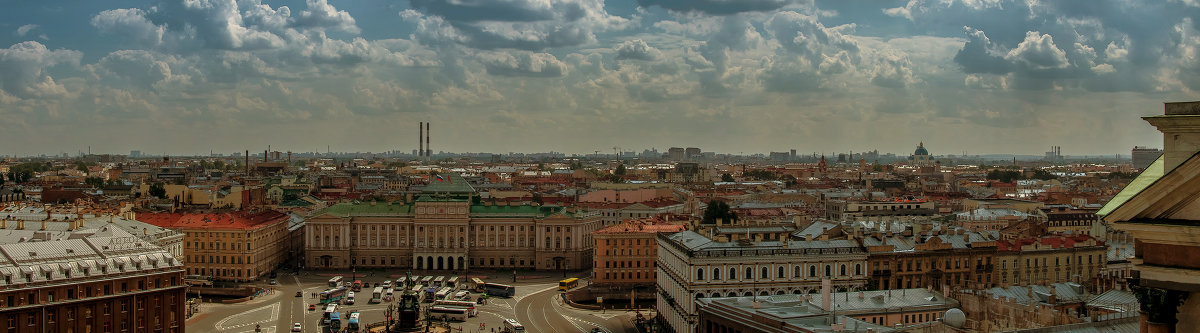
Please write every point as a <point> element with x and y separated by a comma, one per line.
<point>826,298</point>
<point>428,148</point>
<point>247,161</point>
<point>1053,295</point>
<point>1180,125</point>
<point>20,224</point>
<point>266,153</point>
<point>43,225</point>
<point>421,138</point>
<point>4,224</point>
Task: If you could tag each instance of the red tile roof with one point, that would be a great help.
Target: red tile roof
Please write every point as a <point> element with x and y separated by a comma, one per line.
<point>242,220</point>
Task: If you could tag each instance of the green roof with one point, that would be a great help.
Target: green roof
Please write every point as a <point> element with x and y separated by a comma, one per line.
<point>1144,180</point>
<point>453,183</point>
<point>539,211</point>
<point>361,208</point>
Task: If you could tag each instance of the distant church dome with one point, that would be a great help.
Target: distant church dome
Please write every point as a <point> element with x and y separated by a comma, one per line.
<point>921,150</point>
<point>955,318</point>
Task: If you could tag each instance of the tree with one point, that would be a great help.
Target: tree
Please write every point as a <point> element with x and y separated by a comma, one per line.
<point>727,178</point>
<point>718,209</point>
<point>620,170</point>
<point>81,166</point>
<point>158,190</point>
<point>95,182</point>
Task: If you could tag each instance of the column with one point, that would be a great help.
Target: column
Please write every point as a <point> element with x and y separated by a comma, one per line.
<point>1159,307</point>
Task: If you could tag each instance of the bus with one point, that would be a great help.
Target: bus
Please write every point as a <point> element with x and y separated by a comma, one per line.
<point>419,291</point>
<point>333,295</point>
<point>448,313</point>
<point>387,283</point>
<point>512,325</point>
<point>377,295</point>
<point>198,280</point>
<point>388,294</point>
<point>357,286</point>
<point>442,293</point>
<point>428,280</point>
<point>335,282</point>
<point>352,323</point>
<point>349,298</point>
<point>568,284</point>
<point>429,293</point>
<point>470,306</point>
<point>401,281</point>
<point>460,295</point>
<point>329,311</point>
<point>439,281</point>
<point>335,321</point>
<point>499,290</point>
<point>452,282</point>
<point>477,285</point>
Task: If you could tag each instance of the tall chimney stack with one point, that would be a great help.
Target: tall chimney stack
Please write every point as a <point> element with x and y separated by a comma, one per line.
<point>428,148</point>
<point>247,161</point>
<point>1180,125</point>
<point>420,139</point>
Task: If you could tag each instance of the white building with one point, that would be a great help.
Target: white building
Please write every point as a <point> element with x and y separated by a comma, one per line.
<point>692,266</point>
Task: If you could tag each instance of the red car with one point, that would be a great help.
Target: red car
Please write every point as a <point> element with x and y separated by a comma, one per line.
<point>312,307</point>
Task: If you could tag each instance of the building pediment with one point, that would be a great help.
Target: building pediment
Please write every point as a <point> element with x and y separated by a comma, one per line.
<point>1155,195</point>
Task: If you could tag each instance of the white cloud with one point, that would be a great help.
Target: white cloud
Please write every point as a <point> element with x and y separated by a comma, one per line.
<point>23,69</point>
<point>637,50</point>
<point>1038,52</point>
<point>129,23</point>
<point>25,29</point>
<point>523,63</point>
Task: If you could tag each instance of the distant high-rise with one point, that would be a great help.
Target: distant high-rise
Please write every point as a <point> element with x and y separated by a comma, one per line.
<point>692,153</point>
<point>135,153</point>
<point>1143,156</point>
<point>675,154</point>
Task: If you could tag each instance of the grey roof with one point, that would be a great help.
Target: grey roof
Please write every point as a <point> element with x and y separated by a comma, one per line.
<point>789,309</point>
<point>1112,323</point>
<point>693,241</point>
<point>1069,292</point>
<point>815,229</point>
<point>880,300</point>
<point>1117,300</point>
<point>985,214</point>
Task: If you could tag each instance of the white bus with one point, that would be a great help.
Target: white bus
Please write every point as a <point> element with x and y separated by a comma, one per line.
<point>452,282</point>
<point>419,290</point>
<point>438,282</point>
<point>460,295</point>
<point>388,294</point>
<point>470,306</point>
<point>428,280</point>
<point>512,325</point>
<point>377,295</point>
<point>441,293</point>
<point>349,298</point>
<point>448,313</point>
<point>329,309</point>
<point>335,282</point>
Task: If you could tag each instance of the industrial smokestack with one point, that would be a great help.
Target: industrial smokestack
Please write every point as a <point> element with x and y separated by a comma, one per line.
<point>247,161</point>
<point>428,148</point>
<point>266,153</point>
<point>421,139</point>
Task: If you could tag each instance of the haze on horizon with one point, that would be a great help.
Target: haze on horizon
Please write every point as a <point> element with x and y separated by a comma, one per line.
<point>577,76</point>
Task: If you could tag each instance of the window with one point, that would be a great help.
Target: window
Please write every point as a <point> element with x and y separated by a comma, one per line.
<point>732,274</point>
<point>699,274</point>
<point>828,270</point>
<point>797,271</point>
<point>812,271</point>
<point>749,273</point>
<point>780,275</point>
<point>716,273</point>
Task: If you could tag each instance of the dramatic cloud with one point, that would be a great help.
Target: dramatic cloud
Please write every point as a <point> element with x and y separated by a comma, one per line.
<point>986,75</point>
<point>637,50</point>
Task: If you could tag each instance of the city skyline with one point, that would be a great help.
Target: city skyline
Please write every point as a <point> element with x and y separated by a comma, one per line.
<point>585,75</point>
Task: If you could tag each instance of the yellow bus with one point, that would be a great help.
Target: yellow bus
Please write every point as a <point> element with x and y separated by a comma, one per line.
<point>568,284</point>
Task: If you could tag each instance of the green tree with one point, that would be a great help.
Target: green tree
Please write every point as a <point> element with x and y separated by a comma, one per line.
<point>718,209</point>
<point>81,166</point>
<point>725,177</point>
<point>157,190</point>
<point>95,182</point>
<point>620,170</point>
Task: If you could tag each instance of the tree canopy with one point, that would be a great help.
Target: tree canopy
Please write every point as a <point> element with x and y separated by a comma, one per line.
<point>718,209</point>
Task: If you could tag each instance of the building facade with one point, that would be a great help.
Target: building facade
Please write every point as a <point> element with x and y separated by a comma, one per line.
<point>442,229</point>
<point>110,282</point>
<point>625,253</point>
<point>238,246</point>
<point>1050,259</point>
<point>938,259</point>
<point>691,266</point>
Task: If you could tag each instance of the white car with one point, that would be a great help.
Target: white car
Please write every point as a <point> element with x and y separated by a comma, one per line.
<point>297,328</point>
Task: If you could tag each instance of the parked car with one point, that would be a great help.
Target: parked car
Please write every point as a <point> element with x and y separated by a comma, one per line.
<point>297,328</point>
<point>299,294</point>
<point>312,307</point>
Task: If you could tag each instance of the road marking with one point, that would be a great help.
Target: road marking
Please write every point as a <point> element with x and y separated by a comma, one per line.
<point>273,309</point>
<point>559,313</point>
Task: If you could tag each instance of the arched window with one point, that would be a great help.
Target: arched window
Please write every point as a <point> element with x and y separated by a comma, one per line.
<point>797,271</point>
<point>812,271</point>
<point>749,273</point>
<point>766,274</point>
<point>828,270</point>
<point>699,274</point>
<point>732,274</point>
<point>568,242</point>
<point>780,275</point>
<point>842,270</point>
<point>716,273</point>
<point>858,269</point>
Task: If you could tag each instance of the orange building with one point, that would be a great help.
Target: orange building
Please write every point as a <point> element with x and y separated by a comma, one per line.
<point>625,253</point>
<point>238,246</point>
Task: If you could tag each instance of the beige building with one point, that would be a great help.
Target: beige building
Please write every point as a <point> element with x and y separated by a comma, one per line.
<point>1049,259</point>
<point>239,246</point>
<point>442,230</point>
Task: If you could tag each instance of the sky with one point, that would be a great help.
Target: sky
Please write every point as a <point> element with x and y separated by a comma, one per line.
<point>578,76</point>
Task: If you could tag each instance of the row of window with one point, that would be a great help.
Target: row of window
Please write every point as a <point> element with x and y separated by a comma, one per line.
<point>780,272</point>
